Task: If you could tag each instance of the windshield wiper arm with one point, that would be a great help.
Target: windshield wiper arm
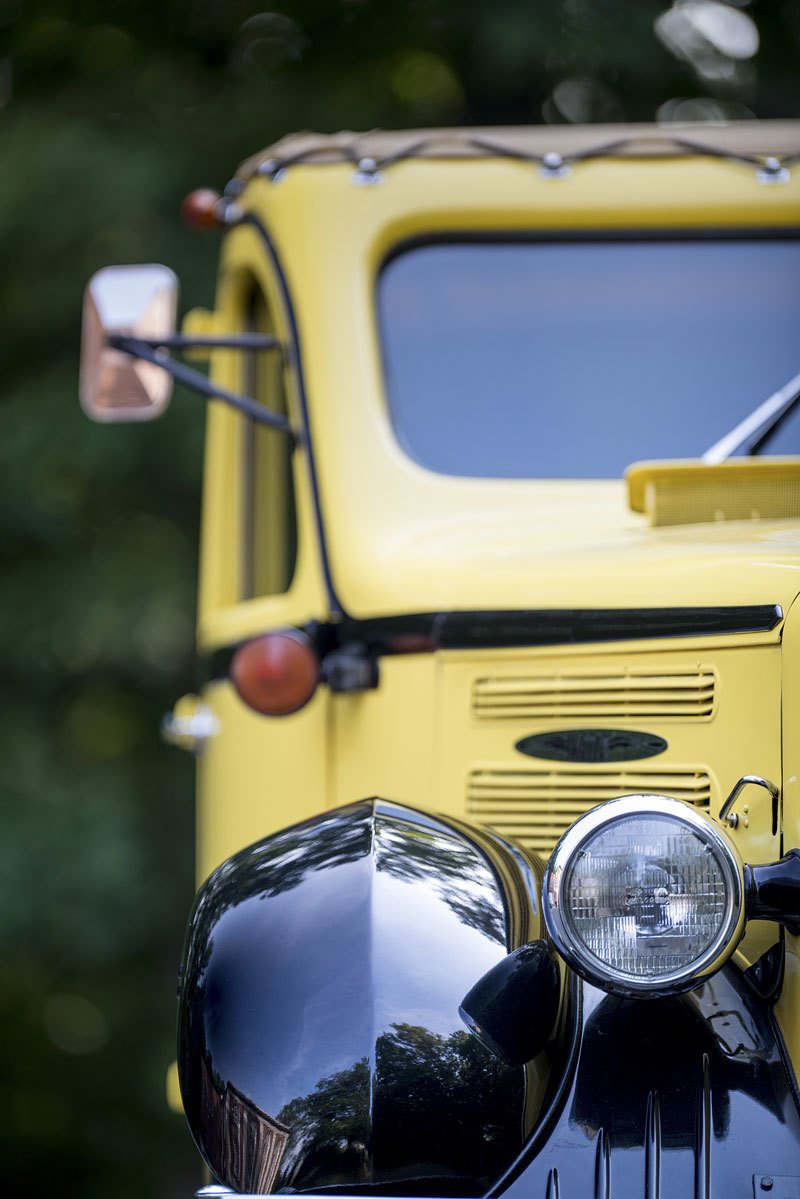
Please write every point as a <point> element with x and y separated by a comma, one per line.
<point>755,428</point>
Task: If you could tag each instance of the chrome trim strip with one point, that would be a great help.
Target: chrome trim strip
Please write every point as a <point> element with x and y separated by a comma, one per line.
<point>756,779</point>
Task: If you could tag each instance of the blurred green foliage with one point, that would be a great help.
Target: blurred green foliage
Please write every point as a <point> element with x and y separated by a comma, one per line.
<point>109,113</point>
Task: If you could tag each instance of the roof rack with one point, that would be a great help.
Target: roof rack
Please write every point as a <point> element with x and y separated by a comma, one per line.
<point>771,147</point>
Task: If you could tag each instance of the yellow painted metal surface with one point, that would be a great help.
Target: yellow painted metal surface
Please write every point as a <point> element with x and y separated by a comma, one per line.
<point>383,741</point>
<point>258,775</point>
<point>681,493</point>
<point>480,770</point>
<point>419,739</point>
<point>788,1007</point>
<point>224,615</point>
<point>403,539</point>
<point>173,1089</point>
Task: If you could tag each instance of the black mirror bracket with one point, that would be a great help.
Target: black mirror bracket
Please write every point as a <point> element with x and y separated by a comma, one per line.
<point>773,892</point>
<point>154,351</point>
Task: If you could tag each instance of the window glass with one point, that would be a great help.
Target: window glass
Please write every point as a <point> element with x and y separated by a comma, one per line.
<point>270,521</point>
<point>575,359</point>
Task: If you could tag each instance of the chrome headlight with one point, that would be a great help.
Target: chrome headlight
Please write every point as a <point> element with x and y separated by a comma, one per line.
<point>644,896</point>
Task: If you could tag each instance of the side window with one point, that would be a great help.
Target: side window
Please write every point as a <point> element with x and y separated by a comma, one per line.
<point>270,520</point>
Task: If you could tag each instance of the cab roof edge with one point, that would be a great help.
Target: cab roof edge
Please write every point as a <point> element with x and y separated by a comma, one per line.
<point>769,146</point>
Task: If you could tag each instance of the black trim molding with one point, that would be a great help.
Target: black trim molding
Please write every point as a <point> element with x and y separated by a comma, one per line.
<point>564,626</point>
<point>429,631</point>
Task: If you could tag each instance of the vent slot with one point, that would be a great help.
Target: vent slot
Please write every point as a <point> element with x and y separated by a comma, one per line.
<point>687,694</point>
<point>536,806</point>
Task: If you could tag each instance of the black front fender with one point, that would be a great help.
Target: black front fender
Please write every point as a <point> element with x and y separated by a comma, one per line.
<point>320,1039</point>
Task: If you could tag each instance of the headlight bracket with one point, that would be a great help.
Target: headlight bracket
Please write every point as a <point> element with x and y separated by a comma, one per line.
<point>773,892</point>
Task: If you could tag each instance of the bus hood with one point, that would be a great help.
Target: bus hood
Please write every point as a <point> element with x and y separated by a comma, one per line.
<point>579,547</point>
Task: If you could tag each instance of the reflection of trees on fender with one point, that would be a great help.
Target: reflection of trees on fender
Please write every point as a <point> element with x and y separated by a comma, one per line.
<point>330,1130</point>
<point>271,867</point>
<point>441,1108</point>
<point>452,866</point>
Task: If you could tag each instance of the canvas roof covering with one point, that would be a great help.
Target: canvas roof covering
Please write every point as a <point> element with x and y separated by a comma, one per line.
<point>748,140</point>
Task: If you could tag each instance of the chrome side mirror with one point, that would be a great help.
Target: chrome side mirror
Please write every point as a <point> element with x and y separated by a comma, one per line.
<point>121,302</point>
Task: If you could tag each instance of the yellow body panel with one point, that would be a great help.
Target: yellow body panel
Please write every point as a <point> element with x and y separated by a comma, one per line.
<point>223,615</point>
<point>419,739</point>
<point>258,775</point>
<point>788,1007</point>
<point>742,489</point>
<point>402,539</point>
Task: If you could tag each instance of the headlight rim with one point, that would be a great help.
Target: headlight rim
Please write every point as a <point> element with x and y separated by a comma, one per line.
<point>590,967</point>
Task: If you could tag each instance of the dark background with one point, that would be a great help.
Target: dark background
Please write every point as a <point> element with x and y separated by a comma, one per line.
<point>109,113</point>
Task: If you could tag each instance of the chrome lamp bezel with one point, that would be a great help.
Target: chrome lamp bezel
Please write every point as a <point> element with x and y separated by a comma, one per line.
<point>590,967</point>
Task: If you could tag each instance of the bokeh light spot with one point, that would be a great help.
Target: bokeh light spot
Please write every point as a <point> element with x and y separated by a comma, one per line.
<point>684,110</point>
<point>713,37</point>
<point>101,724</point>
<point>425,81</point>
<point>267,40</point>
<point>74,1024</point>
<point>582,100</point>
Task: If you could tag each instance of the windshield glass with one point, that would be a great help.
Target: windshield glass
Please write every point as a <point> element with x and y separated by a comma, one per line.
<point>573,359</point>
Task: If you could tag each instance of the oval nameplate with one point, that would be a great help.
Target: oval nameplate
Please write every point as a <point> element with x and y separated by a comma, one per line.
<point>592,745</point>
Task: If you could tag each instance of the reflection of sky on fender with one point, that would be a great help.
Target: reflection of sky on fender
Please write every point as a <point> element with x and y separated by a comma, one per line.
<point>447,958</point>
<point>315,1021</point>
<point>576,359</point>
<point>345,957</point>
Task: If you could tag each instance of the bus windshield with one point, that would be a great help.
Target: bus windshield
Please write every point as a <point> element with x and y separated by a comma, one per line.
<point>575,358</point>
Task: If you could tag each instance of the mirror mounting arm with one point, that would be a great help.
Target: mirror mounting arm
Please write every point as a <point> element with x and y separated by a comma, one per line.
<point>152,350</point>
<point>185,341</point>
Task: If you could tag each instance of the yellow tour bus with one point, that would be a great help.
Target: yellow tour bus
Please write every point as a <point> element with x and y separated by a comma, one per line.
<point>497,730</point>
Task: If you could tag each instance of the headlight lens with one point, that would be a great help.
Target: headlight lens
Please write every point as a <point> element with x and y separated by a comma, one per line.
<point>644,896</point>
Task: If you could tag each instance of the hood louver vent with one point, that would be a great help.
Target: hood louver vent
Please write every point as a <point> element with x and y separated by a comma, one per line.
<point>630,694</point>
<point>536,806</point>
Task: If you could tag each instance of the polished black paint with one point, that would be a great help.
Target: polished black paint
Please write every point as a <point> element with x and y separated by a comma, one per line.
<point>592,745</point>
<point>681,1098</point>
<point>766,975</point>
<point>430,631</point>
<point>773,891</point>
<point>513,1008</point>
<point>319,1009</point>
<point>565,626</point>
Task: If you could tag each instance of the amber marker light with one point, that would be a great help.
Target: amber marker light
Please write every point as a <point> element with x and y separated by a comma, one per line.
<point>276,674</point>
<point>201,209</point>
